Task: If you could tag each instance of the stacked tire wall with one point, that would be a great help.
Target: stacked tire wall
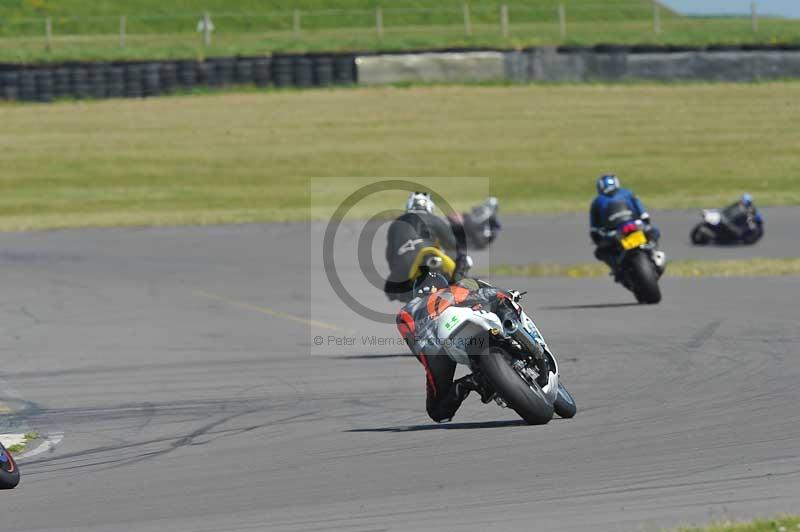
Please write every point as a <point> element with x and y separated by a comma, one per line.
<point>46,83</point>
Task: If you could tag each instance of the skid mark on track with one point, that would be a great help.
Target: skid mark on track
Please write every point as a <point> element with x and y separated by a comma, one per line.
<point>268,311</point>
<point>699,338</point>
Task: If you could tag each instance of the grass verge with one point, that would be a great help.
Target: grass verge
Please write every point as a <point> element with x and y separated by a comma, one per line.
<point>249,157</point>
<point>19,447</point>
<point>779,524</point>
<point>757,267</point>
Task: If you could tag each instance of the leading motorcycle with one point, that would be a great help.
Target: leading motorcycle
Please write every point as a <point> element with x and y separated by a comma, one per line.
<point>639,265</point>
<point>509,357</point>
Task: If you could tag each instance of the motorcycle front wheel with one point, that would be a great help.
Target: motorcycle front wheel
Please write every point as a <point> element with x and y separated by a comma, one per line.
<point>523,396</point>
<point>565,405</point>
<point>700,236</point>
<point>9,472</point>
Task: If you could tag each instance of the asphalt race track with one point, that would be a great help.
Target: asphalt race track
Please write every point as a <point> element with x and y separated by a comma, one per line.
<point>174,378</point>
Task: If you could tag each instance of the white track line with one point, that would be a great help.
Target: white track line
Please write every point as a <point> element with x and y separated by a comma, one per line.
<point>49,443</point>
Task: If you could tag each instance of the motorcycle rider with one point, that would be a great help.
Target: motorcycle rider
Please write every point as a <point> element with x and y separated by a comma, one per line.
<point>417,322</point>
<point>608,192</point>
<point>740,217</point>
<point>419,227</point>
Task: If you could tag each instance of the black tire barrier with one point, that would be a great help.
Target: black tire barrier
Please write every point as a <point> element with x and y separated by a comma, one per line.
<point>79,83</point>
<point>151,78</point>
<point>649,49</point>
<point>345,72</point>
<point>323,71</point>
<point>44,86</point>
<point>133,81</point>
<point>10,90</point>
<point>27,86</point>
<point>61,82</point>
<point>262,71</point>
<point>612,49</point>
<point>115,82</point>
<point>97,81</point>
<point>724,48</point>
<point>572,49</point>
<point>244,72</point>
<point>169,77</point>
<point>225,69</point>
<point>187,74</point>
<point>303,72</point>
<point>282,71</point>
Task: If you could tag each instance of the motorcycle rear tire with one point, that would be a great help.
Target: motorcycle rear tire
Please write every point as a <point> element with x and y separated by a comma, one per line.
<point>526,399</point>
<point>700,236</point>
<point>565,405</point>
<point>645,279</point>
<point>9,472</point>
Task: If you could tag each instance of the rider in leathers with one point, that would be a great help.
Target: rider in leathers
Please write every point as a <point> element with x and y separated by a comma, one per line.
<point>417,324</point>
<point>608,191</point>
<point>416,228</point>
<point>740,217</point>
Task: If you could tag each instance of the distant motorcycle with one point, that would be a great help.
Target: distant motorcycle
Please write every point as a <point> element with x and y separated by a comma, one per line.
<point>509,356</point>
<point>481,224</point>
<point>712,230</point>
<point>639,264</point>
<point>9,472</point>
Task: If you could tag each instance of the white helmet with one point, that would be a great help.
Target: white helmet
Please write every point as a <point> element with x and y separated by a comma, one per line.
<point>420,201</point>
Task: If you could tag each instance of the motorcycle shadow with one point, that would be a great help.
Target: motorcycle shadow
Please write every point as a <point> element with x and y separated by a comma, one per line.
<point>374,356</point>
<point>449,426</point>
<point>591,306</point>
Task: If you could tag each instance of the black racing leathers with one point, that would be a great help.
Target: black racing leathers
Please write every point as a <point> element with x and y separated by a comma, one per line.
<point>738,218</point>
<point>417,324</point>
<point>407,235</point>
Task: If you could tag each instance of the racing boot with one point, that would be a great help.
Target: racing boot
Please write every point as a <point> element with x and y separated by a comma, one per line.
<point>471,383</point>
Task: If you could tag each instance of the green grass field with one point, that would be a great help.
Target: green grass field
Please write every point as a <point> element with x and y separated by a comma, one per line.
<point>155,29</point>
<point>757,267</point>
<point>780,524</point>
<point>249,156</point>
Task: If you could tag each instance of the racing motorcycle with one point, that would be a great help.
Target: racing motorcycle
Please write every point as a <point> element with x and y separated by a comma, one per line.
<point>639,264</point>
<point>509,357</point>
<point>481,224</point>
<point>712,230</point>
<point>9,472</point>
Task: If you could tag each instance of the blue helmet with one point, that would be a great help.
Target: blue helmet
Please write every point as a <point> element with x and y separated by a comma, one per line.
<point>430,283</point>
<point>607,184</point>
<point>747,199</point>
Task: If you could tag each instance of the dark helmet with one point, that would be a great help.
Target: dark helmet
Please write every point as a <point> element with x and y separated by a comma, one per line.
<point>430,283</point>
<point>607,184</point>
<point>747,200</point>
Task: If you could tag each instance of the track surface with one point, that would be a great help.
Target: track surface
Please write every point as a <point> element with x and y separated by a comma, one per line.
<point>179,365</point>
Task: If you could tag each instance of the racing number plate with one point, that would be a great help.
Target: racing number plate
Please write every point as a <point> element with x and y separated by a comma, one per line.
<point>634,240</point>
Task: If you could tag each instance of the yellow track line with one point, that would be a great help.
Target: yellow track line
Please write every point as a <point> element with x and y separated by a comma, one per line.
<point>268,311</point>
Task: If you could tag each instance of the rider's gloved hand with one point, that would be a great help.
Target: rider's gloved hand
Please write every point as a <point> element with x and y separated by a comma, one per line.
<point>515,295</point>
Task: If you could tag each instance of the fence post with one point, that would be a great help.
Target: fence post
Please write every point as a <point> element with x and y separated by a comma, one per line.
<point>562,21</point>
<point>48,33</point>
<point>122,23</point>
<point>467,20</point>
<point>504,20</point>
<point>296,23</point>
<point>206,28</point>
<point>656,17</point>
<point>754,16</point>
<point>379,22</point>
